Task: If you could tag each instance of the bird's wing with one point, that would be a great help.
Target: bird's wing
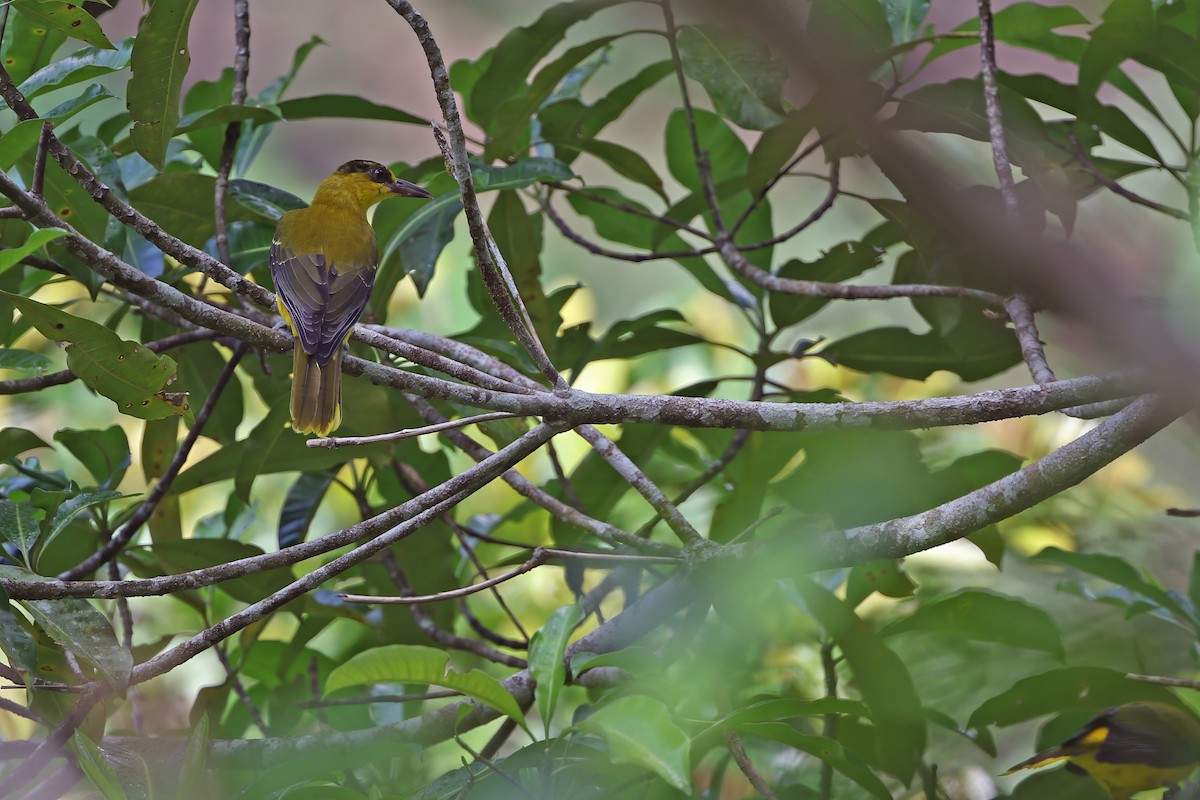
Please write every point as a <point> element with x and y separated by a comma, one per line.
<point>324,300</point>
<point>1129,742</point>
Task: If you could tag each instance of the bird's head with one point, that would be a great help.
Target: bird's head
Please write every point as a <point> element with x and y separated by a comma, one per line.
<point>363,184</point>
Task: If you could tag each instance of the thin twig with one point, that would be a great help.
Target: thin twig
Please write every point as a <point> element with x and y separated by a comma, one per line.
<point>233,131</point>
<point>536,560</point>
<point>332,442</point>
<point>699,155</point>
<point>1159,680</point>
<point>1117,188</point>
<point>38,184</point>
<point>829,724</point>
<point>435,631</point>
<point>734,743</point>
<point>240,690</point>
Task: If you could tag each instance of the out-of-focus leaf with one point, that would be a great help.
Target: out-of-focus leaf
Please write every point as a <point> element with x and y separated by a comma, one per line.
<point>194,771</point>
<point>546,665</point>
<point>64,17</point>
<point>159,62</point>
<point>95,766</point>
<point>416,664</point>
<point>82,65</point>
<point>192,554</point>
<point>1083,688</point>
<point>15,441</point>
<point>905,17</point>
<point>980,737</point>
<point>1025,24</point>
<point>253,136</point>
<point>1061,784</point>
<point>639,730</point>
<point>775,148</point>
<point>885,577</point>
<point>105,453</point>
<point>828,750</point>
<point>984,616</point>
<point>87,633</point>
<point>881,678</point>
<point>127,373</point>
<point>16,642</point>
<point>855,30</point>
<point>742,78</point>
<point>1114,570</point>
<point>300,506</point>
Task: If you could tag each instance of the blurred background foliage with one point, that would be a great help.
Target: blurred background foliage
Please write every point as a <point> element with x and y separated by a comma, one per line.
<point>943,668</point>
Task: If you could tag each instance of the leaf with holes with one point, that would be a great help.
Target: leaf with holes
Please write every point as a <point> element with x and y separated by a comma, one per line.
<point>159,62</point>
<point>79,627</point>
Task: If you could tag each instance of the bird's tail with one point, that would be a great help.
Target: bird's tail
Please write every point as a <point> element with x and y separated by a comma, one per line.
<point>316,393</point>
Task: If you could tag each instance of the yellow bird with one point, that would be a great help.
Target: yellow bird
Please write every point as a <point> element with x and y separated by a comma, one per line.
<point>1129,749</point>
<point>323,260</point>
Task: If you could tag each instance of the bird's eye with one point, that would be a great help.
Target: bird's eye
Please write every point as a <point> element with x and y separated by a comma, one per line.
<point>378,174</point>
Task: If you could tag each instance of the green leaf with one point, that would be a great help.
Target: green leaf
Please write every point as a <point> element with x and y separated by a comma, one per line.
<point>223,115</point>
<point>984,616</point>
<point>884,576</point>
<point>855,30</point>
<point>775,148</point>
<point>1115,570</point>
<point>546,650</point>
<point>639,730</point>
<point>742,78</point>
<point>27,361</point>
<point>194,770</point>
<point>520,174</point>
<point>29,44</point>
<point>518,235</point>
<point>85,64</point>
<point>900,352</point>
<point>36,241</point>
<point>127,373</point>
<point>840,263</point>
<point>79,627</point>
<point>1025,24</point>
<point>96,767</point>
<point>880,676</point>
<point>624,161</point>
<point>266,201</point>
<point>417,664</point>
<point>159,62</point>
<point>19,527</point>
<point>727,154</point>
<point>828,750</point>
<point>1081,688</point>
<point>104,453</point>
<point>420,240</point>
<point>15,441</point>
<point>64,17</point>
<point>182,203</point>
<point>16,642</point>
<point>300,506</point>
<point>510,133</point>
<point>347,106</point>
<point>72,508</point>
<point>520,50</point>
<point>905,17</point>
